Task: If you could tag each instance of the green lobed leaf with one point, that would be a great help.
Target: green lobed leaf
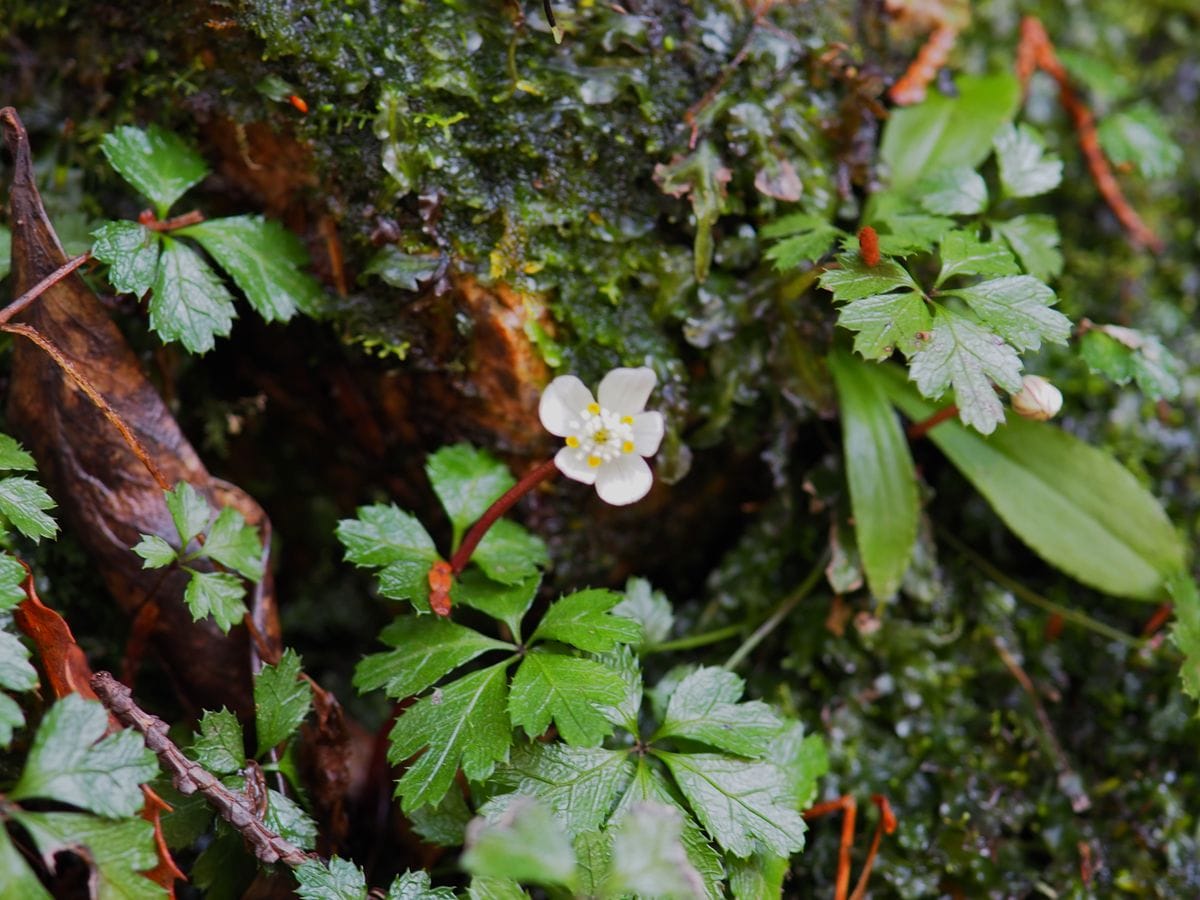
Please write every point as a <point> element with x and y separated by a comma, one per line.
<point>907,232</point>
<point>624,662</point>
<point>945,132</point>
<point>579,785</point>
<point>1019,309</point>
<point>484,888</point>
<point>757,877</point>
<point>216,594</point>
<point>855,279</point>
<point>14,457</point>
<point>1123,354</point>
<point>467,481</point>
<point>880,474</point>
<point>443,823</point>
<point>265,260</point>
<point>339,879</point>
<point>23,502</point>
<point>382,534</point>
<point>572,692</point>
<point>958,191</point>
<point>160,165</point>
<point>220,746</point>
<point>649,608</point>
<point>741,804</point>
<point>416,886</point>
<point>189,511</point>
<point>509,553</point>
<point>1140,137</point>
<point>5,252</point>
<point>802,758</point>
<point>1185,633</point>
<point>131,251</point>
<point>235,545</point>
<point>69,762</point>
<point>189,302</point>
<point>117,853</point>
<point>1071,503</point>
<point>426,648</point>
<point>19,878</point>
<point>593,862</point>
<point>403,270</point>
<point>281,701</point>
<point>968,357</point>
<point>704,707</point>
<point>12,580</point>
<point>464,723</point>
<point>155,552</point>
<point>16,672</point>
<point>886,322</point>
<point>1026,170</point>
<point>505,602</point>
<point>803,247</point>
<point>11,718</point>
<point>527,844</point>
<point>287,818</point>
<point>583,620</point>
<point>649,859</point>
<point>649,786</point>
<point>963,253</point>
<point>1034,239</point>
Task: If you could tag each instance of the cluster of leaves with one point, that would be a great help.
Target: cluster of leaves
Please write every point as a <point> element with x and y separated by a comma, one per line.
<point>282,699</point>
<point>189,301</point>
<point>719,782</point>
<point>70,762</point>
<point>226,540</point>
<point>23,502</point>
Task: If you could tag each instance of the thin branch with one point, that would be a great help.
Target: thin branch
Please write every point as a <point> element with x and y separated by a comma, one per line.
<point>532,479</point>
<point>94,395</point>
<point>148,220</point>
<point>190,777</point>
<point>782,612</point>
<point>42,286</point>
<point>918,430</point>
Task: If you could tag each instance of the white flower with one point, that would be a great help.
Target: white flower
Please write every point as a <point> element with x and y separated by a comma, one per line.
<point>1038,399</point>
<point>606,439</point>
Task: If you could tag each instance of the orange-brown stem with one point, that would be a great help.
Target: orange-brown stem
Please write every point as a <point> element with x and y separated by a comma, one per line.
<point>918,430</point>
<point>42,286</point>
<point>532,479</point>
<point>149,220</point>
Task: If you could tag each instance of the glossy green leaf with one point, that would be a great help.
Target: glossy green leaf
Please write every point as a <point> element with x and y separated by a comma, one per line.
<point>1034,239</point>
<point>649,608</point>
<point>16,673</point>
<point>467,481</point>
<point>802,758</point>
<point>649,858</point>
<point>189,303</point>
<point>217,594</point>
<point>220,746</point>
<point>579,785</point>
<point>12,580</point>
<point>287,818</point>
<point>235,545</point>
<point>802,238</point>
<point>968,357</point>
<point>382,534</point>
<point>13,456</point>
<point>572,692</point>
<point>131,251</point>
<point>265,260</point>
<point>24,502</point>
<point>189,510</point>
<point>854,279</point>
<point>281,701</point>
<point>959,191</point>
<point>1071,503</point>
<point>879,471</point>
<point>757,877</point>
<point>886,322</point>
<point>584,620</point>
<point>509,553</point>
<point>704,708</point>
<point>1140,137</point>
<point>947,132</point>
<point>155,552</point>
<point>506,602</point>
<point>19,878</point>
<point>72,762</point>
<point>525,844</point>
<point>963,253</point>
<point>463,724</point>
<point>484,888</point>
<point>160,165</point>
<point>1026,170</point>
<point>443,823</point>
<point>426,648</point>
<point>1124,354</point>
<point>116,853</point>
<point>1019,308</point>
<point>416,886</point>
<point>339,879</point>
<point>742,804</point>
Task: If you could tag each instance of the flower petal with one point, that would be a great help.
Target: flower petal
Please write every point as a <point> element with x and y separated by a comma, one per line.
<point>625,480</point>
<point>564,399</point>
<point>625,391</point>
<point>573,467</point>
<point>647,432</point>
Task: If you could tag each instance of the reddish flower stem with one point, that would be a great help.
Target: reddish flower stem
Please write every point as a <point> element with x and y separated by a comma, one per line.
<point>918,430</point>
<point>148,220</point>
<point>532,479</point>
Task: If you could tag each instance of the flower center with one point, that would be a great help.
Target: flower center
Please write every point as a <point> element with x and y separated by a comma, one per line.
<point>599,435</point>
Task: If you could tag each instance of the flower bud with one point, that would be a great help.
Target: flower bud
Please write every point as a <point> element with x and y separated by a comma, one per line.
<point>1038,399</point>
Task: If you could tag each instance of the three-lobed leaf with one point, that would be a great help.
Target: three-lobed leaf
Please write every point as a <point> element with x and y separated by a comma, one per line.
<point>704,708</point>
<point>963,253</point>
<point>160,165</point>
<point>155,552</point>
<point>217,594</point>
<point>339,879</point>
<point>24,503</point>
<point>131,251</point>
<point>509,553</point>
<point>189,303</point>
<point>281,700</point>
<point>571,691</point>
<point>1034,239</point>
<point>425,649</point>
<point>584,619</point>
<point>189,511</point>
<point>467,481</point>
<point>887,322</point>
<point>1026,170</point>
<point>235,545</point>
<point>958,191</point>
<point>219,746</point>
<point>1019,308</point>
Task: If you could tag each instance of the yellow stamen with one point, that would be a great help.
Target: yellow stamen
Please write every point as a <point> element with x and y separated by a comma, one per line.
<point>594,408</point>
<point>626,420</point>
<point>627,447</point>
<point>601,436</point>
<point>572,441</point>
<point>593,461</point>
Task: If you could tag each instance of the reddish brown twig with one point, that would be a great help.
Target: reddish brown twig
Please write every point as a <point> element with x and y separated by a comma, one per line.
<point>42,286</point>
<point>94,395</point>
<point>531,479</point>
<point>190,777</point>
<point>849,808</point>
<point>918,430</point>
<point>913,84</point>
<point>147,219</point>
<point>1036,51</point>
